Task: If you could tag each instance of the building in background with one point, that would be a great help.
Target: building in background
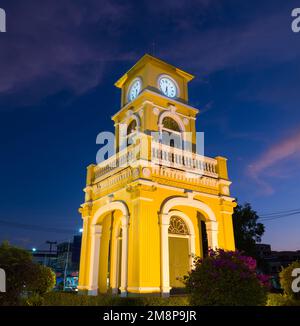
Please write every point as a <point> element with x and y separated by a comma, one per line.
<point>68,255</point>
<point>45,257</point>
<point>64,261</point>
<point>274,261</point>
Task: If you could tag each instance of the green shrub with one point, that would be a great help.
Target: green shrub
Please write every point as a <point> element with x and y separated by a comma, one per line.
<point>225,278</point>
<point>286,280</point>
<point>43,280</point>
<point>73,299</point>
<point>275,299</point>
<point>33,300</point>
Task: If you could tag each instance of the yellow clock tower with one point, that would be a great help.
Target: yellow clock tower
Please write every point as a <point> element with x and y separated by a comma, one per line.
<point>156,202</point>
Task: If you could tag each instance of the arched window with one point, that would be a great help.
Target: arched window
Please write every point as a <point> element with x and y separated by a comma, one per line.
<point>178,226</point>
<point>171,124</point>
<point>171,133</point>
<point>131,127</point>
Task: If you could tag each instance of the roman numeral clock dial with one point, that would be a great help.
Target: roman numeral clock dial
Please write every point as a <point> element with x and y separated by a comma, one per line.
<point>134,89</point>
<point>168,87</point>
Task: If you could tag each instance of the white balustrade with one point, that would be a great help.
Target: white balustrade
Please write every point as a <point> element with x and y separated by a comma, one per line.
<point>162,155</point>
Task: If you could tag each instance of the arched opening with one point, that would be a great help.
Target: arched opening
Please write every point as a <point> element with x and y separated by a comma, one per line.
<point>167,211</point>
<point>179,252</point>
<point>132,127</point>
<point>131,131</point>
<point>105,252</point>
<point>170,124</point>
<point>204,239</point>
<point>171,133</point>
<point>109,249</point>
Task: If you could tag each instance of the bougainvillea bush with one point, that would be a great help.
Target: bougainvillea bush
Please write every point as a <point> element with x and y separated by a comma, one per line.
<point>226,278</point>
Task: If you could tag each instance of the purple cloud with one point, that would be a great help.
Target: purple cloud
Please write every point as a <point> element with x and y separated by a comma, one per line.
<point>52,41</point>
<point>268,163</point>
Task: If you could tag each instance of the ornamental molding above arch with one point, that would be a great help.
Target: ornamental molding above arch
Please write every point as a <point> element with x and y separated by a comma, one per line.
<point>185,219</point>
<point>190,202</point>
<point>172,115</point>
<point>130,117</point>
<point>115,205</point>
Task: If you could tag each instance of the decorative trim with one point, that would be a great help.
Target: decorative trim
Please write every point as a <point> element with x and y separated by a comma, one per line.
<point>129,113</point>
<point>151,102</point>
<point>225,212</point>
<point>115,205</point>
<point>146,172</point>
<point>172,115</point>
<point>180,189</point>
<point>143,198</point>
<point>155,111</point>
<point>183,201</point>
<point>185,218</point>
<point>144,288</point>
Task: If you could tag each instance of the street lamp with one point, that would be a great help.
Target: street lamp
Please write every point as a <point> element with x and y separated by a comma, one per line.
<point>33,249</point>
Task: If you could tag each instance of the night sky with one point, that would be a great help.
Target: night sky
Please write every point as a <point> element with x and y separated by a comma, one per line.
<point>60,59</point>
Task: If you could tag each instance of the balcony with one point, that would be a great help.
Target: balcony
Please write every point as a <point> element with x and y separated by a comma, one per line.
<point>154,154</point>
<point>160,164</point>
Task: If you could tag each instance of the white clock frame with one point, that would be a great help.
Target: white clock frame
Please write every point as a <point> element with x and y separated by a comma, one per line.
<point>173,80</point>
<point>130,86</point>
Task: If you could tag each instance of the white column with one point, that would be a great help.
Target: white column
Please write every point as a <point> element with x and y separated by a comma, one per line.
<point>115,261</point>
<point>83,255</point>
<point>165,274</point>
<point>124,262</point>
<point>212,234</point>
<point>96,232</point>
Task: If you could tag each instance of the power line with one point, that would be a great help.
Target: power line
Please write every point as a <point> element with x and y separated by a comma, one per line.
<point>276,217</point>
<point>280,212</point>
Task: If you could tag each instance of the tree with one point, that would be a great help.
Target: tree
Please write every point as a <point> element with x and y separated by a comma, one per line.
<point>22,274</point>
<point>247,229</point>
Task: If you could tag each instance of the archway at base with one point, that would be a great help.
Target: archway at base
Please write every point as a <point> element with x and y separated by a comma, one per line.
<point>167,247</point>
<point>181,248</point>
<point>117,253</point>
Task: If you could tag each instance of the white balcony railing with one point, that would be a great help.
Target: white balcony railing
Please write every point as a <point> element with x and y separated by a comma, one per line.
<point>160,155</point>
<point>183,160</point>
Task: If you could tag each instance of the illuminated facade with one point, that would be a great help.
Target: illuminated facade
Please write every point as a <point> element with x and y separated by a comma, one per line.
<point>143,221</point>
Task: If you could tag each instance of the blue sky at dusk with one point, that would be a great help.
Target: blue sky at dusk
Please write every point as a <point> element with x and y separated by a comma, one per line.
<point>60,59</point>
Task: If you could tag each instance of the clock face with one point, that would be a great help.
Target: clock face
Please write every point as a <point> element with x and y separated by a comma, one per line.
<point>168,87</point>
<point>135,89</point>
